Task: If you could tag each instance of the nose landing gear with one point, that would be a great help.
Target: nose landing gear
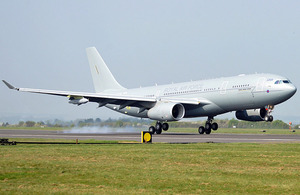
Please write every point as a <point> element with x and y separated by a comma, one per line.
<point>269,117</point>
<point>209,125</point>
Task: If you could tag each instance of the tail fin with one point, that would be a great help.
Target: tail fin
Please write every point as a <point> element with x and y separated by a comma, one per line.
<point>102,77</point>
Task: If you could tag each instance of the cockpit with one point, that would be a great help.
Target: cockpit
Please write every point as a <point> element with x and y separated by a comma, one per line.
<point>282,81</point>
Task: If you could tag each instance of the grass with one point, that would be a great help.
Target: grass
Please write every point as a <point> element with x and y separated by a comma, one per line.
<point>203,168</point>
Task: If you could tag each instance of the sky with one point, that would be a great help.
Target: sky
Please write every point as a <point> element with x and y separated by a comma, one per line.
<point>144,42</point>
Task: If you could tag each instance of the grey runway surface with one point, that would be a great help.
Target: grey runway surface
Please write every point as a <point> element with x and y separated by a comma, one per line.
<point>165,137</point>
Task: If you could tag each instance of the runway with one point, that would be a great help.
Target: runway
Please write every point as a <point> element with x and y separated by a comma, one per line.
<point>165,137</point>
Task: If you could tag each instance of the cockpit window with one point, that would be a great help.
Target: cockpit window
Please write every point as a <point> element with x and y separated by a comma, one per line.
<point>282,81</point>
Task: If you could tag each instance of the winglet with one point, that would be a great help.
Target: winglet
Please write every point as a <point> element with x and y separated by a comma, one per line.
<point>9,85</point>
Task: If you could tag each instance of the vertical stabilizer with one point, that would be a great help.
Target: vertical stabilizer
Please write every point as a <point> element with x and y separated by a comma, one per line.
<point>102,77</point>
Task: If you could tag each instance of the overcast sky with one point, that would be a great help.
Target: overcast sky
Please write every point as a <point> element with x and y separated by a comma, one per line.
<point>42,45</point>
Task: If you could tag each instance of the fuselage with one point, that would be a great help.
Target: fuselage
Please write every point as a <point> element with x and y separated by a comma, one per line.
<point>224,94</point>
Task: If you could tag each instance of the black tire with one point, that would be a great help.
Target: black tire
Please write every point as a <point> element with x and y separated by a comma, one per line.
<point>208,131</point>
<point>152,129</point>
<point>165,126</point>
<point>207,126</point>
<point>158,126</point>
<point>201,130</point>
<point>158,131</point>
<point>215,126</point>
<point>270,118</point>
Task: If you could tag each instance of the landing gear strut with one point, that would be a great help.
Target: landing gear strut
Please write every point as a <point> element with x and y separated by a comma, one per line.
<point>159,127</point>
<point>209,125</point>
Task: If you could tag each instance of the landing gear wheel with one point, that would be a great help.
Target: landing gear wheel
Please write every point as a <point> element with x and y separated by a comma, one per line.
<point>214,126</point>
<point>207,131</point>
<point>165,126</point>
<point>158,126</point>
<point>201,130</point>
<point>270,118</point>
<point>207,126</point>
<point>158,131</point>
<point>152,129</point>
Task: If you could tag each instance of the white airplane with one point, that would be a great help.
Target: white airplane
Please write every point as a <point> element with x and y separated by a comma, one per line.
<point>253,97</point>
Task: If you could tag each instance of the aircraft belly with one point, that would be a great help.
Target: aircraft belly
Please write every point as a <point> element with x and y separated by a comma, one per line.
<point>199,111</point>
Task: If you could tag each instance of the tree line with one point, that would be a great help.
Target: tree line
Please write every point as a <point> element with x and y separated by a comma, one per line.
<point>233,123</point>
<point>133,122</point>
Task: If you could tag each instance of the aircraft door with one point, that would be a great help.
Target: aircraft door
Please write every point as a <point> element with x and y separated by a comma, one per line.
<point>259,88</point>
<point>260,84</point>
<point>223,87</point>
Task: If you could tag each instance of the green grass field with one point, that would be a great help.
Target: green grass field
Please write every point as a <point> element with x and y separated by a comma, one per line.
<point>206,168</point>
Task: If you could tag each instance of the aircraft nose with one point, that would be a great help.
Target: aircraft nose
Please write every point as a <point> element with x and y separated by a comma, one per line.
<point>292,89</point>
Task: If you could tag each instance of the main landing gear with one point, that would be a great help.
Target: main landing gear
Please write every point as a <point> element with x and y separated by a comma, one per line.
<point>159,127</point>
<point>209,125</point>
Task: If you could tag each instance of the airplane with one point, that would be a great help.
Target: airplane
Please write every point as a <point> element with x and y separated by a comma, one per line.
<point>252,97</point>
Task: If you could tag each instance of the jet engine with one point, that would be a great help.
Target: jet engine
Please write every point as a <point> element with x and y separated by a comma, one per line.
<point>252,115</point>
<point>166,111</point>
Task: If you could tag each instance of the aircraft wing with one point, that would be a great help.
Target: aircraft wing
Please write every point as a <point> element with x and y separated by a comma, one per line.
<point>100,98</point>
<point>104,98</point>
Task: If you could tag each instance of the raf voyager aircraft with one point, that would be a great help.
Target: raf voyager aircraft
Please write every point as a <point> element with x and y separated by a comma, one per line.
<point>253,97</point>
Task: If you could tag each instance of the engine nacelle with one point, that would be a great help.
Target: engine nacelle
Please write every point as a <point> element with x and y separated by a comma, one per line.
<point>166,111</point>
<point>78,100</point>
<point>251,115</point>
